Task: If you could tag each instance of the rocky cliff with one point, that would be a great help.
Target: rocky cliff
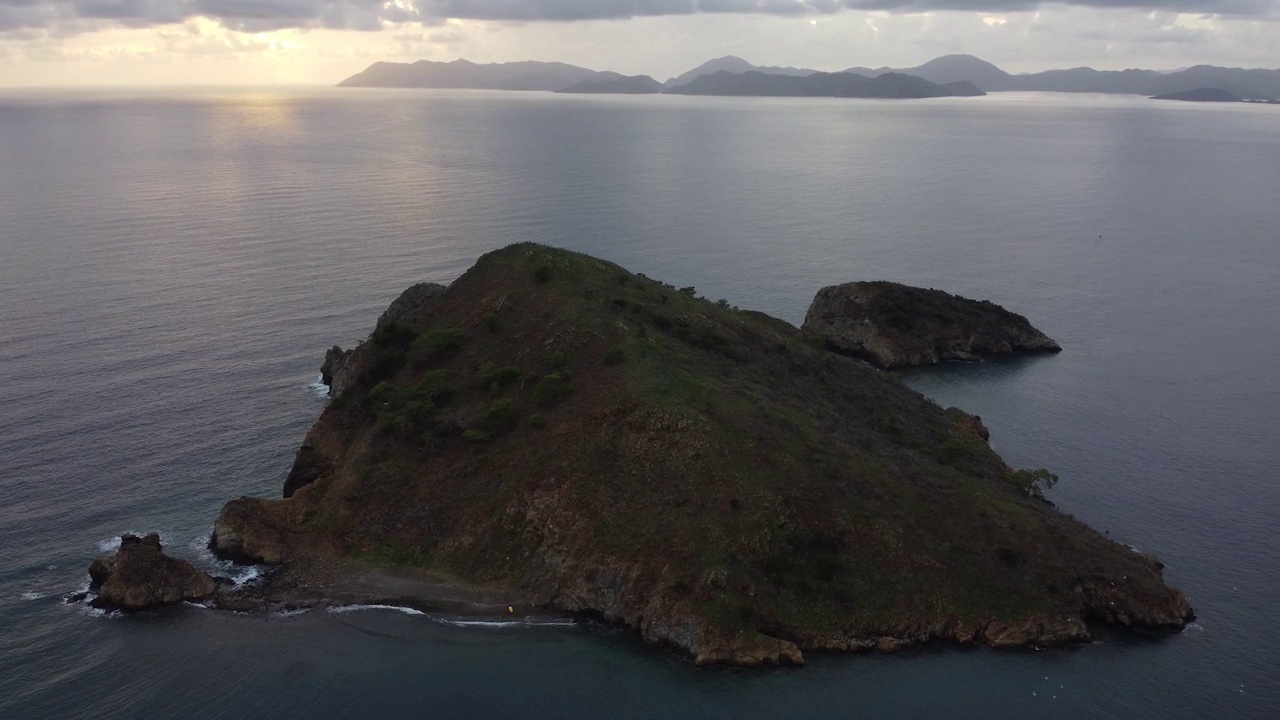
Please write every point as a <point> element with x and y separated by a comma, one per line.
<point>892,325</point>
<point>570,436</point>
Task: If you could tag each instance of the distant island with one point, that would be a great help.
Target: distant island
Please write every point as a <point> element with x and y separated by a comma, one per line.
<point>552,433</point>
<point>633,85</point>
<point>847,85</point>
<point>1247,84</point>
<point>1212,95</point>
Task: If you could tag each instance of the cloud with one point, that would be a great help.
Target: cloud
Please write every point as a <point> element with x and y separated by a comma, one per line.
<point>262,15</point>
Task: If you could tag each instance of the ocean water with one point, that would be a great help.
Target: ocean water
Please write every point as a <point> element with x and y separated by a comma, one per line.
<point>173,265</point>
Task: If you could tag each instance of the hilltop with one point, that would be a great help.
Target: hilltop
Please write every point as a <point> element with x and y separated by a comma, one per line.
<point>562,434</point>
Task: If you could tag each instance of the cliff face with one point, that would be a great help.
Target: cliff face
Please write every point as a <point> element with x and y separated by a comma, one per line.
<point>892,325</point>
<point>588,440</point>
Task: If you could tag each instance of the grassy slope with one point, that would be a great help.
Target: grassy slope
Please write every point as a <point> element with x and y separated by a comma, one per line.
<point>701,472</point>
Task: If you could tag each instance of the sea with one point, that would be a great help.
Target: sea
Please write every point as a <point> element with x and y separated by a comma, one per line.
<point>174,263</point>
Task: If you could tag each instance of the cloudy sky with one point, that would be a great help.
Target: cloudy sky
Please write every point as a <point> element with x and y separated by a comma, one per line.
<point>248,42</point>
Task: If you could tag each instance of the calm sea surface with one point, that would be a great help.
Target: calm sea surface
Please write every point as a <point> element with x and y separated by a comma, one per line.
<point>172,267</point>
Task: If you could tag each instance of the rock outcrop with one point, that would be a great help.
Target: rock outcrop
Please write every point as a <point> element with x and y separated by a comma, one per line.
<point>891,325</point>
<point>334,371</point>
<point>140,577</point>
<point>410,303</point>
<point>573,437</point>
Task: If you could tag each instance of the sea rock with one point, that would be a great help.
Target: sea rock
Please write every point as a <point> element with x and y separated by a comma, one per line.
<point>892,325</point>
<point>139,577</point>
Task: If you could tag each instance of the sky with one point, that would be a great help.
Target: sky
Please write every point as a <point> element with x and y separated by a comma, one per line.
<point>289,42</point>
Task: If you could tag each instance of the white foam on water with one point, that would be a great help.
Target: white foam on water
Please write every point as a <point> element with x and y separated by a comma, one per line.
<point>91,611</point>
<point>112,543</point>
<point>318,388</point>
<point>201,606</point>
<point>247,575</point>
<point>455,622</point>
<point>292,613</point>
<point>240,574</point>
<point>32,595</point>
<point>356,608</point>
<point>1194,626</point>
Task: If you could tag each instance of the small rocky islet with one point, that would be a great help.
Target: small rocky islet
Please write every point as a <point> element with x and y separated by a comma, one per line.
<point>551,433</point>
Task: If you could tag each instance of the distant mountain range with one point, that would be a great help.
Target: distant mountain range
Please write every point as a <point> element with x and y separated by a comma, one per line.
<point>951,68</point>
<point>944,71</point>
<point>734,65</point>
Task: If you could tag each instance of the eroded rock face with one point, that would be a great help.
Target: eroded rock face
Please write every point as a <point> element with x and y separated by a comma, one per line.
<point>892,325</point>
<point>244,533</point>
<point>139,577</point>
<point>336,370</point>
<point>409,303</point>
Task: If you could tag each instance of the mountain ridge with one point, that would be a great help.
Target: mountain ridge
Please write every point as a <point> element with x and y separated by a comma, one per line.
<point>1247,83</point>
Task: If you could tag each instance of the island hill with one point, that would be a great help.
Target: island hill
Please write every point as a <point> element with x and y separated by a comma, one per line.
<point>721,82</point>
<point>553,433</point>
<point>959,71</point>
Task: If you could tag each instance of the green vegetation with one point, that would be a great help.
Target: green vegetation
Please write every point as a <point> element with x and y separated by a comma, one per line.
<point>551,389</point>
<point>659,453</point>
<point>1035,482</point>
<point>435,344</point>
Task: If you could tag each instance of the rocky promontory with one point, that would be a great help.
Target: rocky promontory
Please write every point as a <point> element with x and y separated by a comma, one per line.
<point>140,577</point>
<point>554,433</point>
<point>892,325</point>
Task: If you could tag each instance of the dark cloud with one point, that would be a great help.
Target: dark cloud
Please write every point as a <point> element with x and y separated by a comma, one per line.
<point>259,15</point>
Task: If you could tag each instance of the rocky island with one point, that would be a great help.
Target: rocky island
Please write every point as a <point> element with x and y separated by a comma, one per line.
<point>892,325</point>
<point>553,433</point>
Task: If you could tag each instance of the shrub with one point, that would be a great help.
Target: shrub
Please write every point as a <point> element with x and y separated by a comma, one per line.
<point>475,436</point>
<point>497,378</point>
<point>437,343</point>
<point>542,273</point>
<point>412,410</point>
<point>615,356</point>
<point>498,417</point>
<point>551,389</point>
<point>690,291</point>
<point>392,335</point>
<point>491,322</point>
<point>1035,482</point>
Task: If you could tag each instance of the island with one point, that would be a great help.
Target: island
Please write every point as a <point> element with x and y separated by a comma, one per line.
<point>892,325</point>
<point>630,85</point>
<point>553,433</point>
<point>1206,94</point>
<point>847,85</point>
